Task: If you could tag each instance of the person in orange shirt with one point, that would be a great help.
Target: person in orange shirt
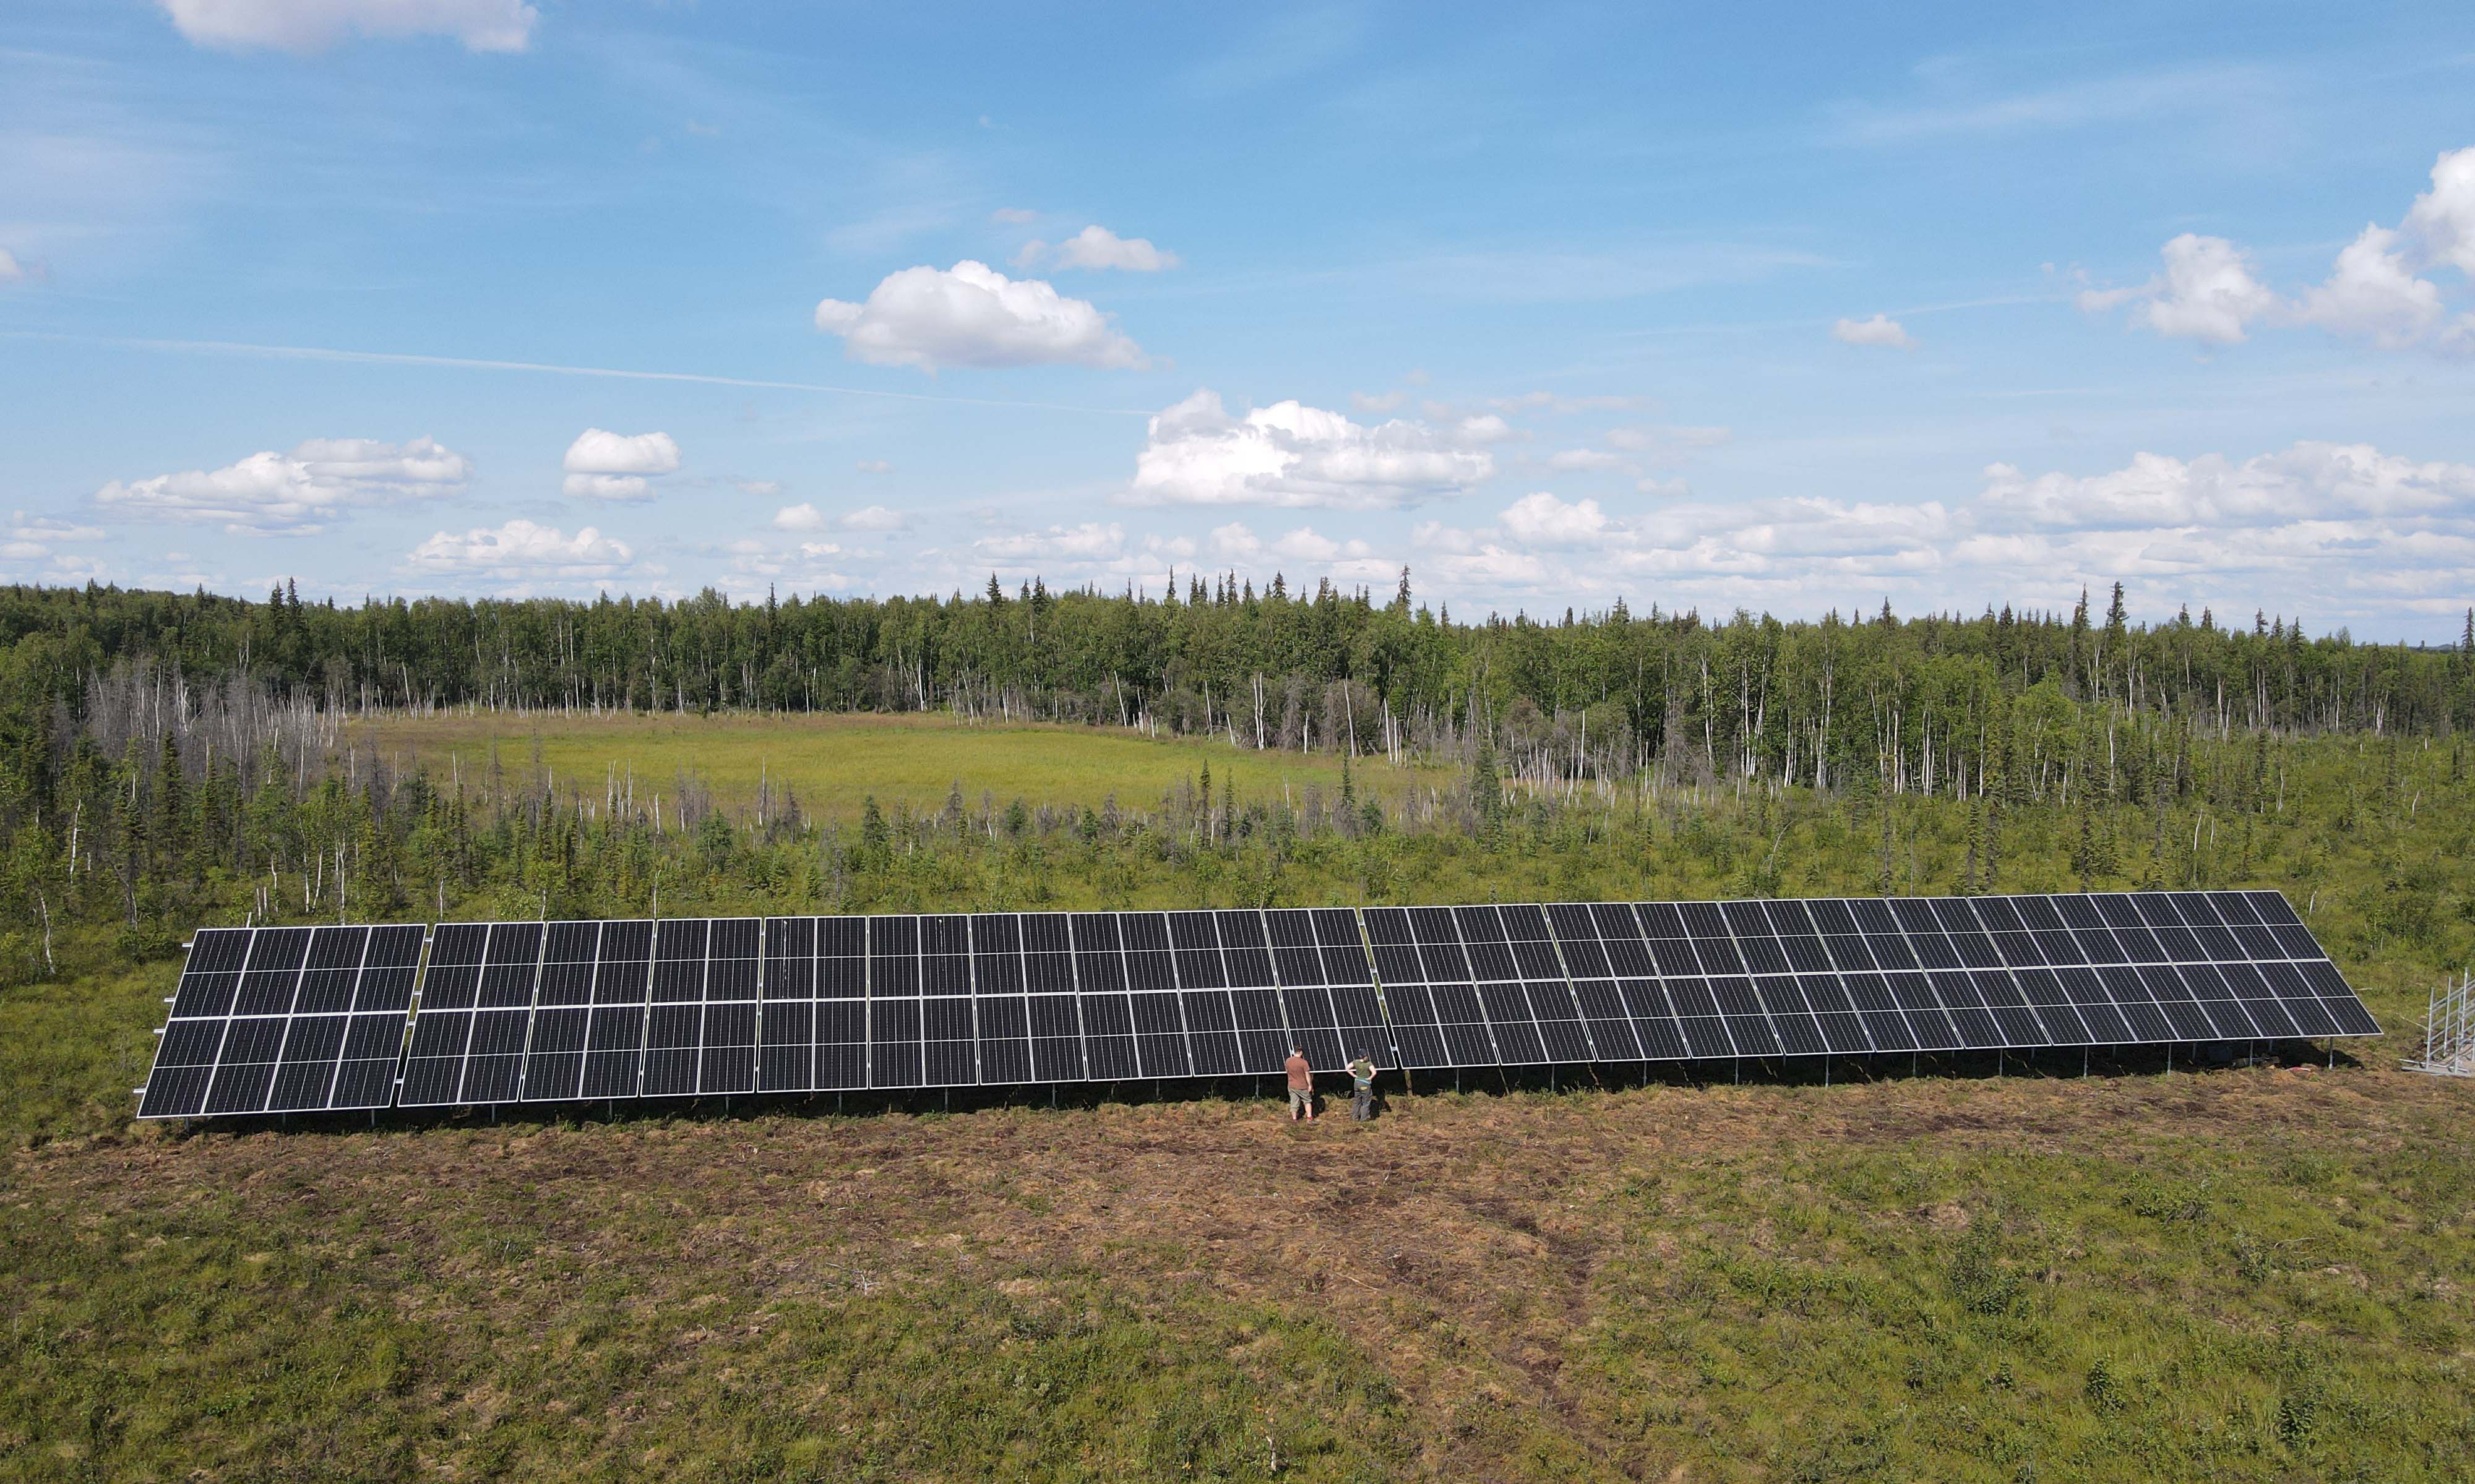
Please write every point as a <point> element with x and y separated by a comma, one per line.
<point>1301,1085</point>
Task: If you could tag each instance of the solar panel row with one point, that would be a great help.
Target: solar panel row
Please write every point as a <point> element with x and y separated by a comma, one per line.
<point>280,1020</point>
<point>1473,986</point>
<point>699,1006</point>
<point>290,1019</point>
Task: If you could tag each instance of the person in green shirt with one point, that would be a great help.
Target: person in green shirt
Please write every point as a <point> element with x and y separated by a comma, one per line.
<point>1362,1075</point>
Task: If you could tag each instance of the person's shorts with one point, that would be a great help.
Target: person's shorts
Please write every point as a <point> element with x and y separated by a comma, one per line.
<point>1301,1099</point>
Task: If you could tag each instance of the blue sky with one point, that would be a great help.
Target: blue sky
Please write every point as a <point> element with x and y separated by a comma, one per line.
<point>1787,308</point>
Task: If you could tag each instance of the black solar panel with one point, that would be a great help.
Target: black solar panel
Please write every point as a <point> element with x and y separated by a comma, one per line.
<point>1054,1010</point>
<point>1327,988</point>
<point>614,1035</point>
<point>1004,1019</point>
<point>276,1020</point>
<point>726,1059</point>
<point>553,1070</point>
<point>1151,976</point>
<point>1202,980</point>
<point>1100,995</point>
<point>1434,1006</point>
<point>298,1019</point>
<point>433,1067</point>
<point>786,1054</point>
<point>894,1024</point>
<point>674,1021</point>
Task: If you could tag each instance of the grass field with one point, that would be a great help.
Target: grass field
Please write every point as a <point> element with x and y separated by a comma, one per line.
<point>2253,1273</point>
<point>2238,1275</point>
<point>833,763</point>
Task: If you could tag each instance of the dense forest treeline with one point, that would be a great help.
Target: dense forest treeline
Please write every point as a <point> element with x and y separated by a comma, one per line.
<point>167,760</point>
<point>1918,703</point>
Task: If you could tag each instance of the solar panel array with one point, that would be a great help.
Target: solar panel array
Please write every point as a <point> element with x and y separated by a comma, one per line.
<point>303,1019</point>
<point>284,1020</point>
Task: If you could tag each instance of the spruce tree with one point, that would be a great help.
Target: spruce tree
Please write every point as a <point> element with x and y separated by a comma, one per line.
<point>171,806</point>
<point>1486,787</point>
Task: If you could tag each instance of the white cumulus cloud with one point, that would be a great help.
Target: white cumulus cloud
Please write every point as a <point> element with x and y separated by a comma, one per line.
<point>973,315</point>
<point>1290,454</point>
<point>298,493</point>
<point>1238,544</point>
<point>39,538</point>
<point>2340,530</point>
<point>1088,552</point>
<point>521,551</point>
<point>1090,540</point>
<point>1880,331</point>
<point>1547,521</point>
<point>313,25</point>
<point>2206,292</point>
<point>1097,247</point>
<point>1582,458</point>
<point>2308,481</point>
<point>2373,295</point>
<point>615,465</point>
<point>1668,442</point>
<point>42,528</point>
<point>2377,289</point>
<point>876,518</point>
<point>2442,219</point>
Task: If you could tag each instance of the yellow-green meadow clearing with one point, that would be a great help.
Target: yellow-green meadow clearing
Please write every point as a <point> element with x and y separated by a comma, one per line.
<point>834,763</point>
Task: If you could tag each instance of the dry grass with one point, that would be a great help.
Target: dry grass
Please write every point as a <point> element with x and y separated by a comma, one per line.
<point>833,763</point>
<point>1986,1279</point>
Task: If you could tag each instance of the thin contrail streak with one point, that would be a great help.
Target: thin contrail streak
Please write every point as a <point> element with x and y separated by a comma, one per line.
<point>475,363</point>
